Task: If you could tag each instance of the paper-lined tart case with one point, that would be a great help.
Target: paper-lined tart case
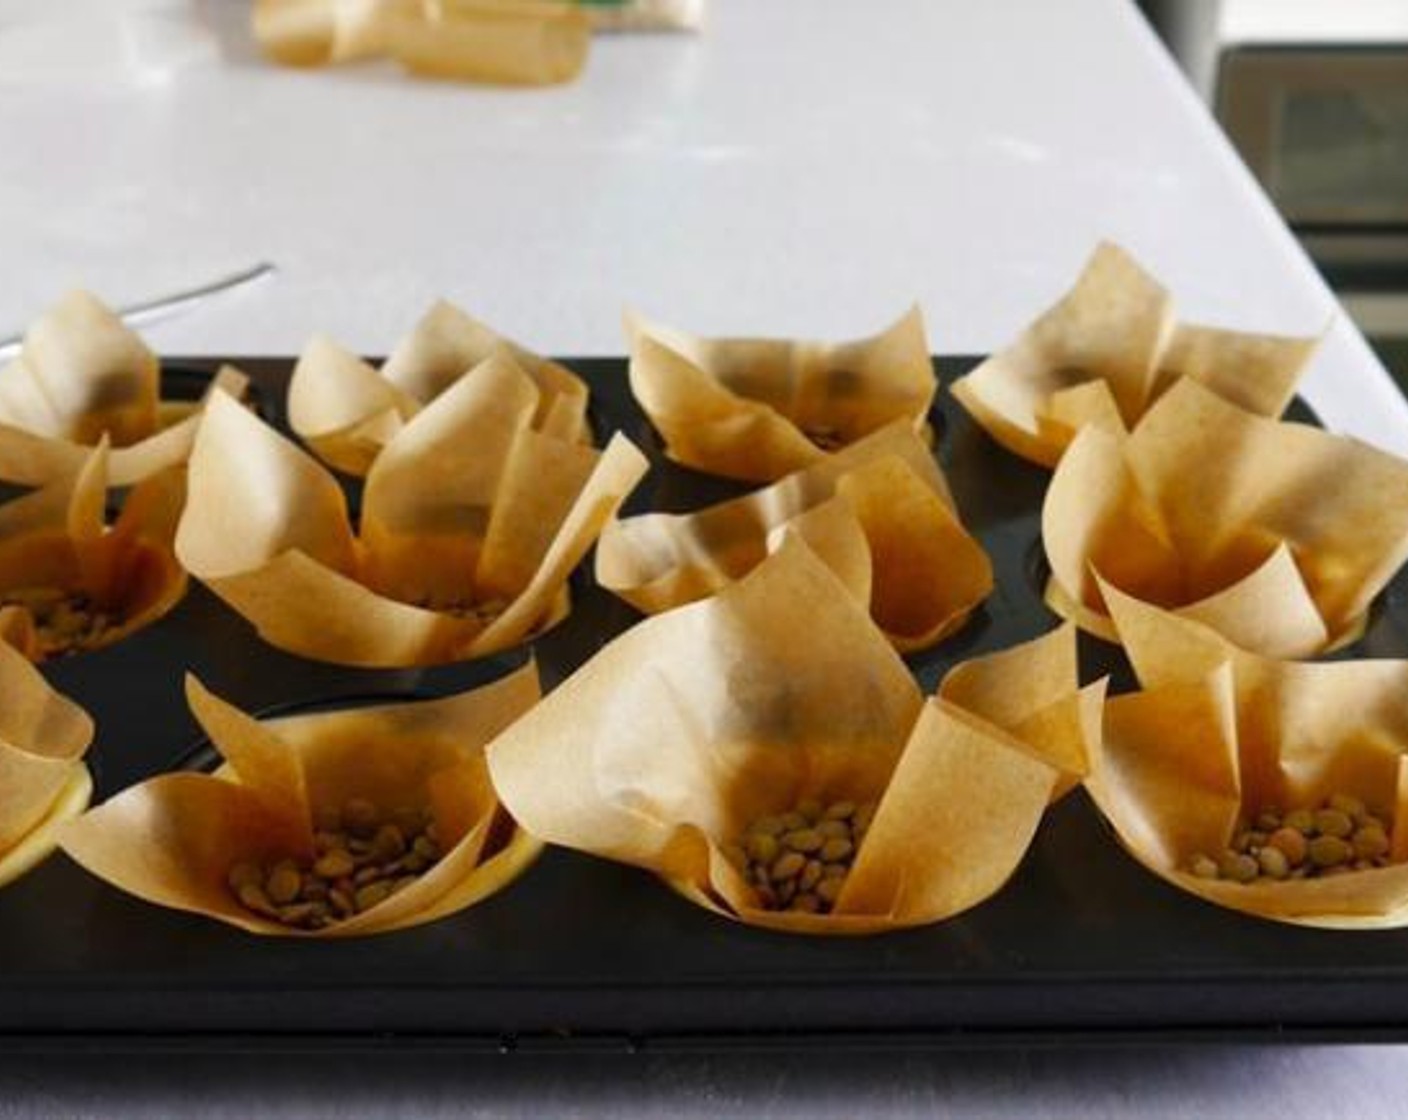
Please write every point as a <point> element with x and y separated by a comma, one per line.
<point>510,42</point>
<point>471,523</point>
<point>173,840</point>
<point>63,569</point>
<point>757,409</point>
<point>1106,351</point>
<point>1276,534</point>
<point>878,512</point>
<point>43,780</point>
<point>661,749</point>
<point>347,411</point>
<point>1218,735</point>
<point>80,375</point>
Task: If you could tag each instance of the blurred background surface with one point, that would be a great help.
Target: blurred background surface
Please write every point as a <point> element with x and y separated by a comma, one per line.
<point>1314,96</point>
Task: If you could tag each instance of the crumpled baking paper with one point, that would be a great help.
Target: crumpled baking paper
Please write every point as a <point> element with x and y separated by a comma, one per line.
<point>173,839</point>
<point>674,737</point>
<point>1219,733</point>
<point>81,374</point>
<point>879,513</point>
<point>471,524</point>
<point>1106,351</point>
<point>43,781</point>
<point>347,411</point>
<point>758,408</point>
<point>57,538</point>
<point>1278,535</point>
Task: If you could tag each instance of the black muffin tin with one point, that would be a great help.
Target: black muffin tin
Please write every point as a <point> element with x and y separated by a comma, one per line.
<point>583,952</point>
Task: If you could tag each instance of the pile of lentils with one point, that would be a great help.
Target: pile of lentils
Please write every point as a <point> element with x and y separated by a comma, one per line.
<point>363,858</point>
<point>799,860</point>
<point>65,622</point>
<point>1338,837</point>
<point>485,611</point>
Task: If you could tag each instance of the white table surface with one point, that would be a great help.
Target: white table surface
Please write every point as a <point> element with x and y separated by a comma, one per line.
<point>1283,1082</point>
<point>807,167</point>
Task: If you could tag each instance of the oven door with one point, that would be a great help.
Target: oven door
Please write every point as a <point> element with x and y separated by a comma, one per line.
<point>1325,129</point>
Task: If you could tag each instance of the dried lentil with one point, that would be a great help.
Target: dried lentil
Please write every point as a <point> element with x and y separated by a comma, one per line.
<point>65,622</point>
<point>485,611</point>
<point>1338,837</point>
<point>363,858</point>
<point>798,860</point>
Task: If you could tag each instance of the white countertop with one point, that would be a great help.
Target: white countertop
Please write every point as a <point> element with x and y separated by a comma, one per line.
<point>806,167</point>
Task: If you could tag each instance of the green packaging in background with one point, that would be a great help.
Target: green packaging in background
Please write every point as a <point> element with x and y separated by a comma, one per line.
<point>645,15</point>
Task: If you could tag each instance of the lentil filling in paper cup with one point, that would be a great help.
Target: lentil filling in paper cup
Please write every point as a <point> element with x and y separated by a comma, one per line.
<point>1276,788</point>
<point>332,824</point>
<point>768,754</point>
<point>71,583</point>
<point>756,409</point>
<point>505,42</point>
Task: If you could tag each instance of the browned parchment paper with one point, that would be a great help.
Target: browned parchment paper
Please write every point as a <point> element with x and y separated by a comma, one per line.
<point>82,374</point>
<point>748,408</point>
<point>347,411</point>
<point>43,780</point>
<point>56,537</point>
<point>508,42</point>
<point>1106,351</point>
<point>878,512</point>
<point>1277,535</point>
<point>471,523</point>
<point>173,839</point>
<point>674,737</point>
<point>1218,732</point>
